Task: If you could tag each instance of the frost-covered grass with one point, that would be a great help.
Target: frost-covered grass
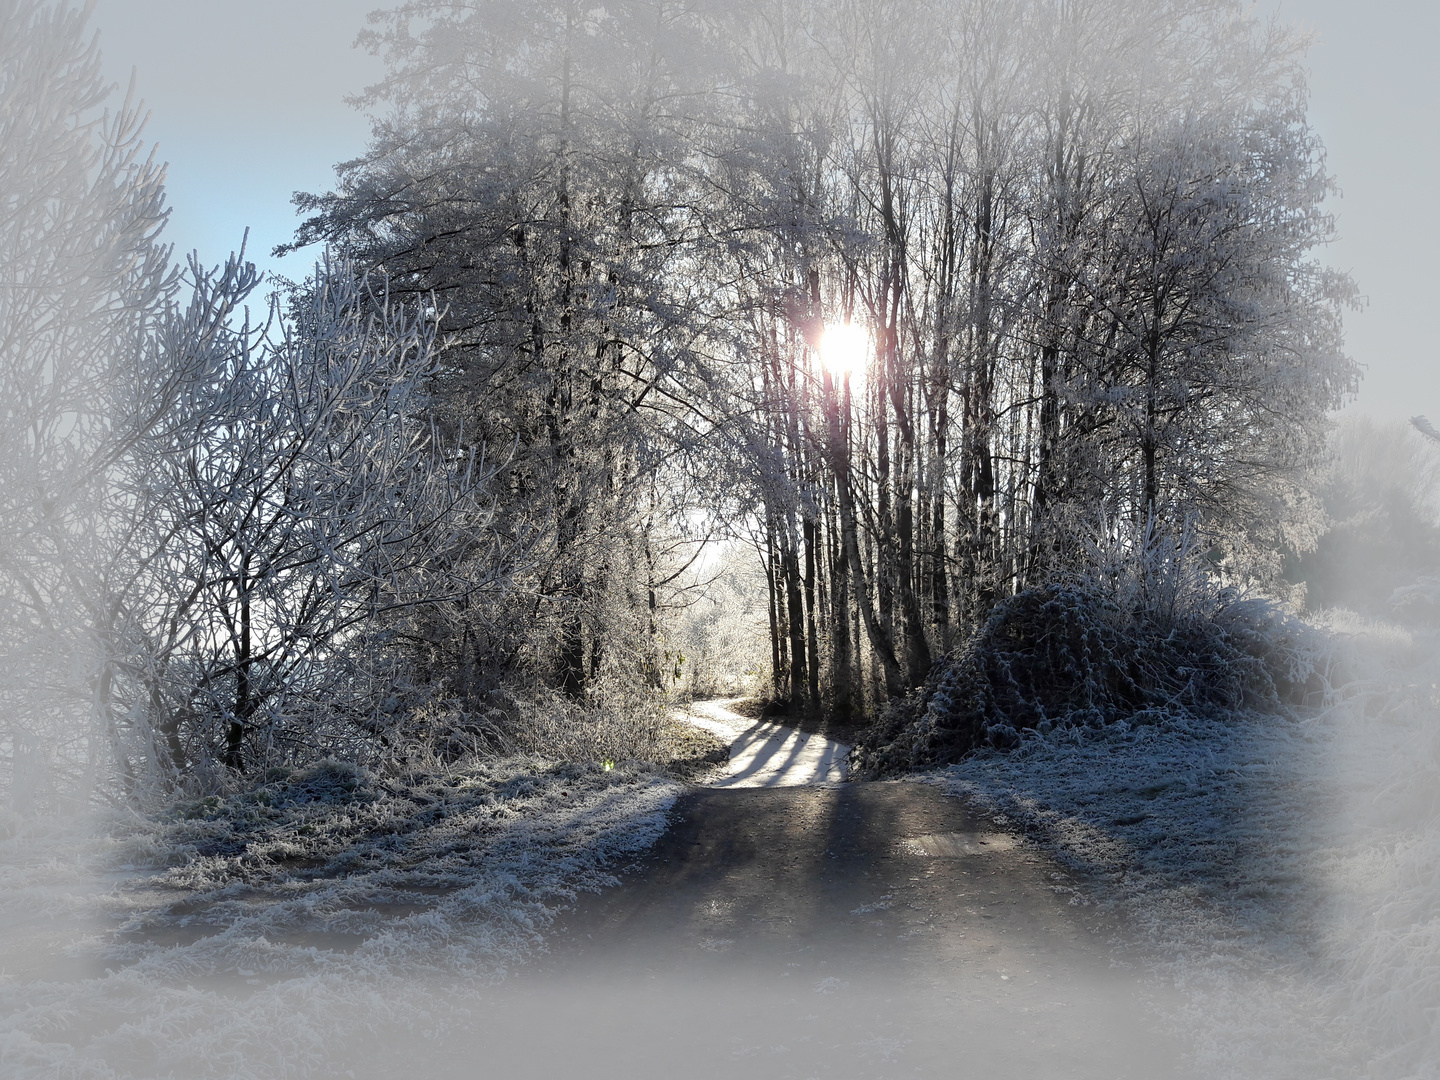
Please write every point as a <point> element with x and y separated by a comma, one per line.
<point>262,933</point>
<point>1284,873</point>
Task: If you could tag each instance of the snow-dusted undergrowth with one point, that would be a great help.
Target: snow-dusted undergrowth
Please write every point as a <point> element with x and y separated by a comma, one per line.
<point>263,933</point>
<point>1284,873</point>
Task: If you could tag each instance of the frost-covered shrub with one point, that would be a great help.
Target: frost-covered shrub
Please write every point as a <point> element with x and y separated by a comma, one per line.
<point>1073,655</point>
<point>619,722</point>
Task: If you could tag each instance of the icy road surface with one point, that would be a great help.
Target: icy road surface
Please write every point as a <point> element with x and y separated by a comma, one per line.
<point>764,755</point>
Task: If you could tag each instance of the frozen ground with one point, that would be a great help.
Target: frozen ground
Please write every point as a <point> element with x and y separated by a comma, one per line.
<point>769,755</point>
<point>872,930</point>
<point>260,935</point>
<point>1284,874</point>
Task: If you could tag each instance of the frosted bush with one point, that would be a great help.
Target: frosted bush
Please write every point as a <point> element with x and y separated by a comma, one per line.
<point>619,722</point>
<point>1086,656</point>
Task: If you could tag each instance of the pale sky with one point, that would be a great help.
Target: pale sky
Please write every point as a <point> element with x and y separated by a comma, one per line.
<point>1376,102</point>
<point>246,105</point>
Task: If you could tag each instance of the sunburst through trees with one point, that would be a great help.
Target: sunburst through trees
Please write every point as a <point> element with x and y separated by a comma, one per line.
<point>922,299</point>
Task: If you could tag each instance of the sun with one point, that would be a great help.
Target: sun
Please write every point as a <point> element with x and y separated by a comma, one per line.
<point>844,348</point>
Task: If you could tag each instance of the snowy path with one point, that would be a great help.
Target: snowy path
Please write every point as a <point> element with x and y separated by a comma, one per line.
<point>764,755</point>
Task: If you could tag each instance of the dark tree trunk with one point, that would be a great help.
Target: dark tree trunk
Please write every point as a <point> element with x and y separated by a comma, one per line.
<point>799,677</point>
<point>881,642</point>
<point>811,634</point>
<point>234,757</point>
<point>841,606</point>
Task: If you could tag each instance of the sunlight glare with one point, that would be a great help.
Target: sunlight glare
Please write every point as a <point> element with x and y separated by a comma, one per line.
<point>844,348</point>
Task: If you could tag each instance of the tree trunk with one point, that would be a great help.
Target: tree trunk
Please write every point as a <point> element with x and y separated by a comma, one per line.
<point>799,678</point>
<point>842,668</point>
<point>244,700</point>
<point>881,642</point>
<point>811,635</point>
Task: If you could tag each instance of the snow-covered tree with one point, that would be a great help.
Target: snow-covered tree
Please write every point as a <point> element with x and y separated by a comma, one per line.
<point>534,177</point>
<point>213,533</point>
<point>83,276</point>
<point>289,505</point>
<point>1207,354</point>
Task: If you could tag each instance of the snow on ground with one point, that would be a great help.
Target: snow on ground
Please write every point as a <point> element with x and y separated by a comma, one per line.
<point>770,755</point>
<point>1285,874</point>
<point>260,934</point>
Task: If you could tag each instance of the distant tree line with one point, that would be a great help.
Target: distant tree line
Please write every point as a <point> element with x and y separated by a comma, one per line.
<point>579,315</point>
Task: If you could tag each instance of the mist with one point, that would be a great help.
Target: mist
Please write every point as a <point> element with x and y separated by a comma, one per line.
<point>890,539</point>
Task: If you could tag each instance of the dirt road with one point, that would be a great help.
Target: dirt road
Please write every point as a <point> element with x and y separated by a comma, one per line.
<point>846,930</point>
